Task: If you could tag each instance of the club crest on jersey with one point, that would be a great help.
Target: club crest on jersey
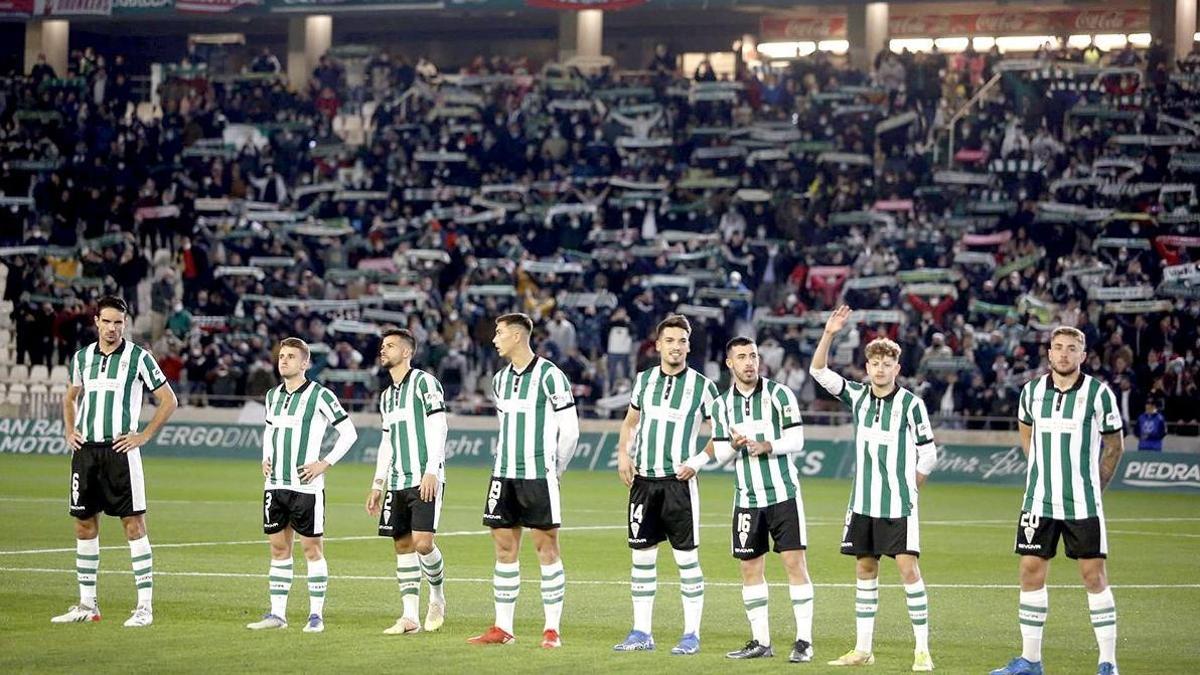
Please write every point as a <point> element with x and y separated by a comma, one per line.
<point>491,505</point>
<point>1029,532</point>
<point>742,536</point>
<point>634,527</point>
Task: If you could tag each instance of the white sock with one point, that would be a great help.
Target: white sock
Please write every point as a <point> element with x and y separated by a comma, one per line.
<point>1034,607</point>
<point>506,586</point>
<point>554,587</point>
<point>866,604</point>
<point>802,607</point>
<point>143,570</point>
<point>318,582</point>
<point>280,582</point>
<point>434,570</point>
<point>87,563</point>
<point>1104,623</point>
<point>643,584</point>
<point>691,587</point>
<point>918,613</point>
<point>408,577</point>
<point>754,598</point>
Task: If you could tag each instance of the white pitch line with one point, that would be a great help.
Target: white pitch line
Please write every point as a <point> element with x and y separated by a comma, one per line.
<point>582,582</point>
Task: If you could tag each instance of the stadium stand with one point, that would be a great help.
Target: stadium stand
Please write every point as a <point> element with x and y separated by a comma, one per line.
<point>597,203</point>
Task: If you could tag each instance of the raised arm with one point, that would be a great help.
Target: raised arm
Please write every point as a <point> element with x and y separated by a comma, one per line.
<point>819,368</point>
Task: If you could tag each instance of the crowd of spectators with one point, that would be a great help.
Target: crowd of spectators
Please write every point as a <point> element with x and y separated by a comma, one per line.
<point>598,202</point>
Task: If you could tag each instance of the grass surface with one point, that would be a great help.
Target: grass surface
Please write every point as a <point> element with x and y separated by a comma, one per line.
<point>211,560</point>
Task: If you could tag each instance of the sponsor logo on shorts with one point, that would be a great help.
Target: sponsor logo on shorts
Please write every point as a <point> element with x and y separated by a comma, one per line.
<point>847,544</point>
<point>271,525</point>
<point>742,550</point>
<point>1029,547</point>
<point>637,541</point>
<point>489,516</point>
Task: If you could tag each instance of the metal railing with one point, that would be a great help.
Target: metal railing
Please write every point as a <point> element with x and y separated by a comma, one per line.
<point>952,125</point>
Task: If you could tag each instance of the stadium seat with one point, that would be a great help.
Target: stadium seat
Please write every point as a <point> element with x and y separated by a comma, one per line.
<point>18,388</point>
<point>39,389</point>
<point>39,374</point>
<point>60,375</point>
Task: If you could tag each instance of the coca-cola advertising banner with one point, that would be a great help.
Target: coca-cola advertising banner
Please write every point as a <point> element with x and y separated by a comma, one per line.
<point>957,25</point>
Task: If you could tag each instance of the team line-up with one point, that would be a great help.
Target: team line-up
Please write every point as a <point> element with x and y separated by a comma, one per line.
<point>1070,431</point>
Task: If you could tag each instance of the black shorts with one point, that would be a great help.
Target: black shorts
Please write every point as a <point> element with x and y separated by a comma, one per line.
<point>404,511</point>
<point>523,502</point>
<point>664,509</point>
<point>870,536</point>
<point>305,513</point>
<point>782,522</point>
<point>1038,535</point>
<point>104,480</point>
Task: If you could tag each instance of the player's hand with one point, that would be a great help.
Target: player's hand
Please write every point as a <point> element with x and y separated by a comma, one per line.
<point>685,473</point>
<point>625,469</point>
<point>837,320</point>
<point>129,442</point>
<point>429,487</point>
<point>74,440</point>
<point>309,472</point>
<point>758,448</point>
<point>267,469</point>
<point>374,499</point>
<point>737,440</point>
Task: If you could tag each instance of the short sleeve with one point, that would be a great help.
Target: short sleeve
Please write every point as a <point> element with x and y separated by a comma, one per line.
<point>720,420</point>
<point>433,398</point>
<point>557,389</point>
<point>150,372</point>
<point>1108,411</point>
<point>788,406</point>
<point>76,373</point>
<point>850,391</point>
<point>1024,407</point>
<point>922,431</point>
<point>639,387</point>
<point>330,408</point>
<point>709,398</point>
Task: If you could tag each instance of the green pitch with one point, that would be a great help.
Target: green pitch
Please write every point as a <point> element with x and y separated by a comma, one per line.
<point>210,564</point>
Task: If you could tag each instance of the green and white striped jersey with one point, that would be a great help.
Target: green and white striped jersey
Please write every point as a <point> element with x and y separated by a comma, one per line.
<point>405,407</point>
<point>887,433</point>
<point>296,425</point>
<point>112,389</point>
<point>1063,478</point>
<point>671,409</point>
<point>761,416</point>
<point>525,404</point>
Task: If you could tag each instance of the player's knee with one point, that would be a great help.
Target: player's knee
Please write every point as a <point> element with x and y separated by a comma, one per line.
<point>868,567</point>
<point>1094,579</point>
<point>547,552</point>
<point>135,528</point>
<point>423,546</point>
<point>87,529</point>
